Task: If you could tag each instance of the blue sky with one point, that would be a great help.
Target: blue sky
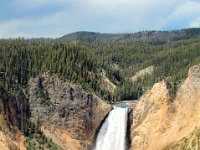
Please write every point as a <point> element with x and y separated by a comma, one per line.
<point>55,18</point>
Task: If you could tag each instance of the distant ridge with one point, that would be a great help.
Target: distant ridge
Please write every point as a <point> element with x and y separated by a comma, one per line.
<point>150,37</point>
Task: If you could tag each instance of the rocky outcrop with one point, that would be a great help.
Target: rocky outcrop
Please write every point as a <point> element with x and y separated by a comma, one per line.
<point>105,84</point>
<point>140,74</point>
<point>160,122</point>
<point>14,112</point>
<point>67,114</point>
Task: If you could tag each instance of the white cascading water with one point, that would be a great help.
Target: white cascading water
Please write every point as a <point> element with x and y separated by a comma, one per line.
<point>112,135</point>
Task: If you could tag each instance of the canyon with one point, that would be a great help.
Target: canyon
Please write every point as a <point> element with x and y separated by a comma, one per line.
<point>72,117</point>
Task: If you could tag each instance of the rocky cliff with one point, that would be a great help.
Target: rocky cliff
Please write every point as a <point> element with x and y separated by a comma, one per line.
<point>164,122</point>
<point>14,112</point>
<point>71,117</point>
<point>66,113</point>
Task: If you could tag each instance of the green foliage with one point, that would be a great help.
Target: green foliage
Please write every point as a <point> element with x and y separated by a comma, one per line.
<point>35,139</point>
<point>83,63</point>
<point>43,94</point>
<point>22,59</point>
<point>150,37</point>
<point>171,62</point>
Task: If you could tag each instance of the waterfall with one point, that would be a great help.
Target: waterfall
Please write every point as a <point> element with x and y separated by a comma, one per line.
<point>112,135</point>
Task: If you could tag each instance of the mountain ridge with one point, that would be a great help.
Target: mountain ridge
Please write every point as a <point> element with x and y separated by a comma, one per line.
<point>150,37</point>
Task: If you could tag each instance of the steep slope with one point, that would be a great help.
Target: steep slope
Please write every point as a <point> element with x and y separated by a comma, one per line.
<point>105,84</point>
<point>13,116</point>
<point>160,122</point>
<point>142,73</point>
<point>66,113</point>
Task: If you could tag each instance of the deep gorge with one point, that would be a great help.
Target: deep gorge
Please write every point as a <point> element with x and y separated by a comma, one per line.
<point>57,94</point>
<point>76,123</point>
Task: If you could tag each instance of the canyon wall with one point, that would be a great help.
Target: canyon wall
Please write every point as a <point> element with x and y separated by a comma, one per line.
<point>67,114</point>
<point>14,112</point>
<point>164,121</point>
<point>71,117</point>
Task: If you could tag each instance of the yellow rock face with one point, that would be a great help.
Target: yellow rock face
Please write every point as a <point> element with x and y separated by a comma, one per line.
<point>160,122</point>
<point>3,142</point>
<point>8,139</point>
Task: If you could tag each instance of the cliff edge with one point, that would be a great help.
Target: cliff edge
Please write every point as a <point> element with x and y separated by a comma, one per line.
<point>14,112</point>
<point>67,114</point>
<point>161,121</point>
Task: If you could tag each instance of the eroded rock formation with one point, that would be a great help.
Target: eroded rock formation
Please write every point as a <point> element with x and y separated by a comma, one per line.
<point>161,122</point>
<point>14,112</point>
<point>67,114</point>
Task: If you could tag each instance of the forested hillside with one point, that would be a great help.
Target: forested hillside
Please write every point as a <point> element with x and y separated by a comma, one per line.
<point>150,37</point>
<point>22,59</point>
<point>171,62</point>
<point>83,61</point>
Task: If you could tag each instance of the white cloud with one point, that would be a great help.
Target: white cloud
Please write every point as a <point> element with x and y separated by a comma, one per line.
<point>103,16</point>
<point>195,23</point>
<point>46,26</point>
<point>189,8</point>
<point>133,15</point>
<point>54,25</point>
<point>183,15</point>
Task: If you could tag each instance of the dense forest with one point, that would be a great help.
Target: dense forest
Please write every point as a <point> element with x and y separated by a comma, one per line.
<point>82,62</point>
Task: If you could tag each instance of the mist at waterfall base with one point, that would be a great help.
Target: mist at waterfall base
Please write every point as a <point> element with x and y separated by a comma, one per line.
<point>112,135</point>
